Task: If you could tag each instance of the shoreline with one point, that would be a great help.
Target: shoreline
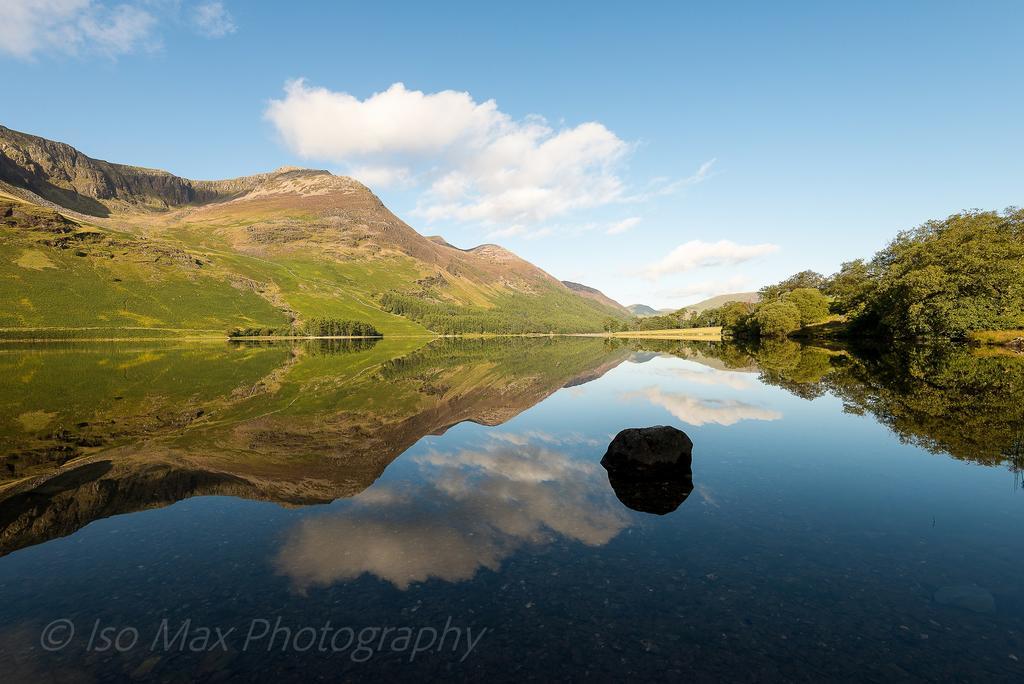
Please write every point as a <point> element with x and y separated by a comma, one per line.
<point>681,334</point>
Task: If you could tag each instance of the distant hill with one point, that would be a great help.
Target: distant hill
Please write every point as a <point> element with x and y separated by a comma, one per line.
<point>719,300</point>
<point>96,247</point>
<point>596,295</point>
<point>642,310</point>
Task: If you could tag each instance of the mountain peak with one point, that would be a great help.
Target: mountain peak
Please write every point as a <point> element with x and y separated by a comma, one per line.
<point>348,254</point>
<point>288,169</point>
<point>293,180</point>
<point>493,252</point>
<point>438,240</point>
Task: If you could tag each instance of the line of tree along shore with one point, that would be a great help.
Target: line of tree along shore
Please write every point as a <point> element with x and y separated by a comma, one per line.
<point>943,279</point>
<point>314,327</point>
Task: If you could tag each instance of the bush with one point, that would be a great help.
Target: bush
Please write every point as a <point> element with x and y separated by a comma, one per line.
<point>813,305</point>
<point>777,319</point>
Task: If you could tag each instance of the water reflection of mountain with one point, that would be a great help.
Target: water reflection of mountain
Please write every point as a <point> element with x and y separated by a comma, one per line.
<point>142,428</point>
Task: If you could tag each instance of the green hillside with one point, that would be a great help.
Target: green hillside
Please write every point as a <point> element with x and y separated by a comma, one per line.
<point>60,278</point>
<point>94,249</point>
<point>719,300</point>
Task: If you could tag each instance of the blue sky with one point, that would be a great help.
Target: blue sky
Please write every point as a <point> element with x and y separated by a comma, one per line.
<point>659,151</point>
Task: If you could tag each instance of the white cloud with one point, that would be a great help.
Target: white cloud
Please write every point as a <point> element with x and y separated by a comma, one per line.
<point>213,20</point>
<point>623,225</point>
<point>712,377</point>
<point>697,411</point>
<point>382,176</point>
<point>699,254</point>
<point>74,27</point>
<point>316,122</point>
<point>473,162</point>
<point>667,186</point>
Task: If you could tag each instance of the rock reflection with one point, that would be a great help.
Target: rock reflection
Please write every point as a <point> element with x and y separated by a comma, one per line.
<point>470,509</point>
<point>656,496</point>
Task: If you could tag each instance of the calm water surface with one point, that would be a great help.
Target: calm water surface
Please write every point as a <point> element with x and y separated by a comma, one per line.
<point>399,511</point>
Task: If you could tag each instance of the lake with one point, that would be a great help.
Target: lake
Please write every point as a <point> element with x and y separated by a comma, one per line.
<point>409,509</point>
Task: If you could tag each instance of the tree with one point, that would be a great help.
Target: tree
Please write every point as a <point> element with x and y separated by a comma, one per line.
<point>813,305</point>
<point>726,315</point>
<point>851,287</point>
<point>947,278</point>
<point>777,319</point>
<point>811,279</point>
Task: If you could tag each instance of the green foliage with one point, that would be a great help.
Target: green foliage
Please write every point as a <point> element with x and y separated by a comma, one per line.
<point>315,327</point>
<point>777,318</point>
<point>851,287</point>
<point>672,321</point>
<point>329,327</point>
<point>948,278</point>
<point>803,279</point>
<point>728,316</point>
<point>811,303</point>
<point>943,279</point>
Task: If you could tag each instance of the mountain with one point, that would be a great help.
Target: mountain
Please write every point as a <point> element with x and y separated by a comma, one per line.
<point>642,310</point>
<point>93,248</point>
<point>596,295</point>
<point>298,425</point>
<point>719,300</point>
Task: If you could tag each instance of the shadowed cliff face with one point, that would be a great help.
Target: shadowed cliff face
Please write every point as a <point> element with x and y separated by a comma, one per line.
<point>293,425</point>
<point>61,174</point>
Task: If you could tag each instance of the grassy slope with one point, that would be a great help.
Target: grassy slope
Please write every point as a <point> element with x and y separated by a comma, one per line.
<point>155,277</point>
<point>318,279</point>
<point>171,256</point>
<point>111,283</point>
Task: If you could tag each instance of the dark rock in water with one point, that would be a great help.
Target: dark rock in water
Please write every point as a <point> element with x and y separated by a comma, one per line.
<point>650,468</point>
<point>659,449</point>
<point>968,596</point>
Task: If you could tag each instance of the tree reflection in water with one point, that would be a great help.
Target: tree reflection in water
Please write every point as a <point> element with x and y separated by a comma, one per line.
<point>949,399</point>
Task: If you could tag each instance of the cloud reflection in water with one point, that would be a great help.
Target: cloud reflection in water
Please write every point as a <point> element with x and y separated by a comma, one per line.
<point>469,509</point>
<point>700,411</point>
